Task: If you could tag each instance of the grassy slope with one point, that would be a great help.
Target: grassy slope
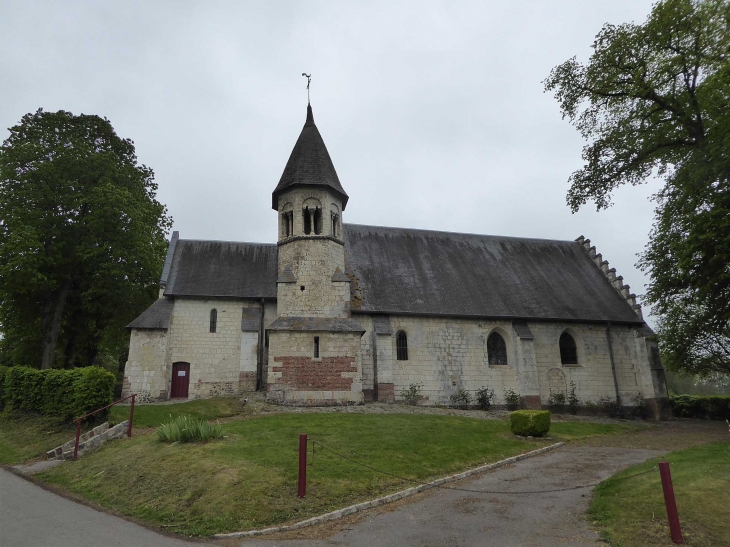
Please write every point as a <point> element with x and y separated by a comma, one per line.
<point>632,513</point>
<point>154,415</point>
<point>26,437</point>
<point>248,480</point>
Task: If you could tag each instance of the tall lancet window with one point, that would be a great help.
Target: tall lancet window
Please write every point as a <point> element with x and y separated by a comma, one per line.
<point>213,320</point>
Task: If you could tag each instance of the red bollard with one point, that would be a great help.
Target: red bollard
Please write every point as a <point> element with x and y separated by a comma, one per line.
<point>302,490</point>
<point>674,528</point>
<point>131,416</point>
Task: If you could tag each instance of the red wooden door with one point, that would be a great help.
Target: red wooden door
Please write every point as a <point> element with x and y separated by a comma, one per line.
<point>180,380</point>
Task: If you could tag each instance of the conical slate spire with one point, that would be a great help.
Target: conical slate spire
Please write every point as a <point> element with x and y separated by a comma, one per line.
<point>309,164</point>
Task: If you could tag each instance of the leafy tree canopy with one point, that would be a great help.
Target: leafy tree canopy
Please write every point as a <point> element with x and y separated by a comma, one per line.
<point>82,240</point>
<point>655,98</point>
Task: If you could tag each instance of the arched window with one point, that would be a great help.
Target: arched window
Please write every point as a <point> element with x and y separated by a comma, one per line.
<point>401,346</point>
<point>213,319</point>
<point>568,350</point>
<point>496,349</point>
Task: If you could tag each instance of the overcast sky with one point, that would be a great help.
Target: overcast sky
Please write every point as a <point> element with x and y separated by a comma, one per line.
<point>433,112</point>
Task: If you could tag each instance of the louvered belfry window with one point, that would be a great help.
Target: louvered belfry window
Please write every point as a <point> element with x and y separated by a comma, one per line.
<point>213,320</point>
<point>568,350</point>
<point>401,346</point>
<point>496,349</point>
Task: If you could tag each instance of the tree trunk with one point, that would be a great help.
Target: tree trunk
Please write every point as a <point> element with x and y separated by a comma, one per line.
<point>51,319</point>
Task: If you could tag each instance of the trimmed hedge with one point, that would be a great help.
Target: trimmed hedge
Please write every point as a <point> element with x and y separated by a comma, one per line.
<point>702,407</point>
<point>530,423</point>
<point>56,392</point>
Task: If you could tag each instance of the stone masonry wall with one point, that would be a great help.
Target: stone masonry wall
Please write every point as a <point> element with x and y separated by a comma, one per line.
<point>296,377</point>
<point>146,371</point>
<point>448,354</point>
<point>313,262</point>
<point>221,363</point>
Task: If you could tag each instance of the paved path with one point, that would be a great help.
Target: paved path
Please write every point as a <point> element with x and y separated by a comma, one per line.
<point>451,518</point>
<point>33,517</point>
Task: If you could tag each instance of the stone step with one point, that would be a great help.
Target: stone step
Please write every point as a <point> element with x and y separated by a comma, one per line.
<point>90,440</point>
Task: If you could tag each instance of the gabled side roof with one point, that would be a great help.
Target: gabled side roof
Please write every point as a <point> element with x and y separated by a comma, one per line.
<point>157,316</point>
<point>222,269</point>
<point>420,272</point>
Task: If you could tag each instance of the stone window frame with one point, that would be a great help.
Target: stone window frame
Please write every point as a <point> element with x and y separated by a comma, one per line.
<point>317,349</point>
<point>287,220</point>
<point>314,219</point>
<point>578,340</point>
<point>508,342</point>
<point>494,335</point>
<point>401,349</point>
<point>213,321</point>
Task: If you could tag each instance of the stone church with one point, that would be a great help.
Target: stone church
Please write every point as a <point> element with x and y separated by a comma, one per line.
<point>336,313</point>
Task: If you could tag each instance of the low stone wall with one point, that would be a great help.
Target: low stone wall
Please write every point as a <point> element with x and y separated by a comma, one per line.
<point>90,440</point>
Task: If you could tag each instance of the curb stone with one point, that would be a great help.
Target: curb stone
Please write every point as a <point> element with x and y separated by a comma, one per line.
<point>334,515</point>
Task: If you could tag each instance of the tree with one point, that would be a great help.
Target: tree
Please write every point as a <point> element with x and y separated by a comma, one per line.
<point>82,239</point>
<point>655,99</point>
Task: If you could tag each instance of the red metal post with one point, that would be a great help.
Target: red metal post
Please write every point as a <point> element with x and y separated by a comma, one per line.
<point>674,528</point>
<point>131,416</point>
<point>78,434</point>
<point>302,490</point>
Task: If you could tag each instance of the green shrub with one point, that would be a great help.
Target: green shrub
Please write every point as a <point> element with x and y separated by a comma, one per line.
<point>3,373</point>
<point>530,423</point>
<point>186,429</point>
<point>484,398</point>
<point>512,399</point>
<point>461,399</point>
<point>556,401</point>
<point>57,392</point>
<point>701,407</point>
<point>610,407</point>
<point>412,394</point>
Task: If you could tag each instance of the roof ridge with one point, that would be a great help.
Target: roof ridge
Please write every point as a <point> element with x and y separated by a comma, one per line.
<point>459,233</point>
<point>226,241</point>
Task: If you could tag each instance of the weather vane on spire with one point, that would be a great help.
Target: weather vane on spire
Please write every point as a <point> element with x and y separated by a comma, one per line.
<point>309,80</point>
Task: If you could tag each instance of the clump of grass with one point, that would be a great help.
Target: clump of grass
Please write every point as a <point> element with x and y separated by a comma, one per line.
<point>186,429</point>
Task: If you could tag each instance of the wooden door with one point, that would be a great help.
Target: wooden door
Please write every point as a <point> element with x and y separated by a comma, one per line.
<point>180,380</point>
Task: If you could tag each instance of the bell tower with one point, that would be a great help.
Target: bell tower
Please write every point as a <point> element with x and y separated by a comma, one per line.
<point>314,346</point>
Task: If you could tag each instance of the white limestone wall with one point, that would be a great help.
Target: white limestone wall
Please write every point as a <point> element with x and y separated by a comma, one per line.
<point>367,354</point>
<point>593,376</point>
<point>222,362</point>
<point>449,354</point>
<point>146,372</point>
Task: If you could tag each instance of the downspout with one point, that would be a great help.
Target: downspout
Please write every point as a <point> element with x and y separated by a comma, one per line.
<point>613,368</point>
<point>260,364</point>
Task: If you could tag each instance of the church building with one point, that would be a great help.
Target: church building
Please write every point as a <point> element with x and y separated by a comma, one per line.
<point>337,314</point>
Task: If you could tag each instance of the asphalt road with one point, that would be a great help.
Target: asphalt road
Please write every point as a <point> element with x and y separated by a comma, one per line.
<point>450,518</point>
<point>33,517</point>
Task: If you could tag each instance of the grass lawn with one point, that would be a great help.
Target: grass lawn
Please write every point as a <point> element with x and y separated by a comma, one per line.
<point>248,479</point>
<point>154,415</point>
<point>632,512</point>
<point>26,437</point>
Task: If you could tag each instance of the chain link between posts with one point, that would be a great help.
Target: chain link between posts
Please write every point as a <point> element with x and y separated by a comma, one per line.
<point>469,490</point>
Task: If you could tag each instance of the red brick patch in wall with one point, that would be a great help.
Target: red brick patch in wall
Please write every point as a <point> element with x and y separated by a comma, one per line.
<point>306,374</point>
<point>386,393</point>
<point>532,401</point>
<point>246,381</point>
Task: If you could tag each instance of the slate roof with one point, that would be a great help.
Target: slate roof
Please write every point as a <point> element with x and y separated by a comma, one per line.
<point>309,164</point>
<point>222,269</point>
<point>420,272</point>
<point>325,324</point>
<point>157,316</point>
